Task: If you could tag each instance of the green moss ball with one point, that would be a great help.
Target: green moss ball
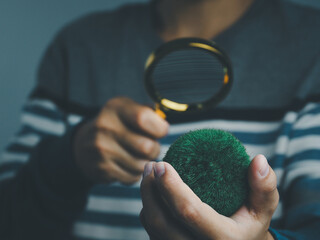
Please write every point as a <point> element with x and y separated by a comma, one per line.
<point>214,164</point>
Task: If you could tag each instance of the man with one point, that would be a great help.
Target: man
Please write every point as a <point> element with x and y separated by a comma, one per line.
<point>63,177</point>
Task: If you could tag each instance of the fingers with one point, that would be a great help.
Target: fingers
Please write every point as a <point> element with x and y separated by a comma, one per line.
<point>135,126</point>
<point>186,206</point>
<point>155,217</point>
<point>136,143</point>
<point>164,192</point>
<point>119,141</point>
<point>178,195</point>
<point>139,145</point>
<point>264,196</point>
<point>112,151</point>
<point>139,117</point>
<point>112,171</point>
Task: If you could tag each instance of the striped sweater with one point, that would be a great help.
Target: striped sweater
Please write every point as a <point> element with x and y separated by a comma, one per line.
<point>42,193</point>
<point>291,144</point>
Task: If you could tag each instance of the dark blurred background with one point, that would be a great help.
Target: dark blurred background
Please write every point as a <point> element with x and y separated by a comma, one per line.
<point>26,28</point>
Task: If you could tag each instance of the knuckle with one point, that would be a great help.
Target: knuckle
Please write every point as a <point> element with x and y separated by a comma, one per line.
<point>271,185</point>
<point>188,212</point>
<point>155,223</point>
<point>270,188</point>
<point>117,102</point>
<point>140,115</point>
<point>98,145</point>
<point>113,102</point>
<point>106,167</point>
<point>99,123</point>
<point>103,119</point>
<point>103,146</point>
<point>100,127</point>
<point>110,129</point>
<point>274,204</point>
<point>148,147</point>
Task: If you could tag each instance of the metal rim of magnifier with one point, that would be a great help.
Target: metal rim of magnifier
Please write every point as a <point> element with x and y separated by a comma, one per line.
<point>182,44</point>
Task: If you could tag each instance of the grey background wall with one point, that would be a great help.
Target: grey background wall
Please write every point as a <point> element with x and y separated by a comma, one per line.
<point>26,27</point>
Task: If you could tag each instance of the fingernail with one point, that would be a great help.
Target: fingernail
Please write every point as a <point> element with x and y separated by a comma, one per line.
<point>263,166</point>
<point>147,169</point>
<point>159,169</point>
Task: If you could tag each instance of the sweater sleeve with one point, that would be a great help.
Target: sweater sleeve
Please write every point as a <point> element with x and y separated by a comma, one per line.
<point>300,181</point>
<point>41,190</point>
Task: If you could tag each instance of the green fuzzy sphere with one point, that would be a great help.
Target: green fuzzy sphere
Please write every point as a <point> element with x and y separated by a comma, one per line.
<point>214,164</point>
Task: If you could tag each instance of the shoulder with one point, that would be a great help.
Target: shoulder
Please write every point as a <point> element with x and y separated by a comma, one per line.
<point>296,10</point>
<point>103,24</point>
<point>302,20</point>
<point>84,54</point>
<point>302,28</point>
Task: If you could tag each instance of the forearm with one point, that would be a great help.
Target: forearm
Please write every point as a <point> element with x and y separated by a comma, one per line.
<point>47,192</point>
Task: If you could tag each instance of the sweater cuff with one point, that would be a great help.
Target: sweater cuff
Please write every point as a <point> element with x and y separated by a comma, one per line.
<point>58,168</point>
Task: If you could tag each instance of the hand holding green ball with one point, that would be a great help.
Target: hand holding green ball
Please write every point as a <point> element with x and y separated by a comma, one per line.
<point>214,164</point>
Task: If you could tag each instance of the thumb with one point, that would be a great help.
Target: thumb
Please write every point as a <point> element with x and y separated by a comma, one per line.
<point>264,196</point>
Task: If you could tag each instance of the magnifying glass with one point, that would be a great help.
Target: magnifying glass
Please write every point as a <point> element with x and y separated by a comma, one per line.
<point>186,75</point>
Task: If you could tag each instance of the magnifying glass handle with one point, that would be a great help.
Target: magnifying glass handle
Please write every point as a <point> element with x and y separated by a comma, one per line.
<point>160,112</point>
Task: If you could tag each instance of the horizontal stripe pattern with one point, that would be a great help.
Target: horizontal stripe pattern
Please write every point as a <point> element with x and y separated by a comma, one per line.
<point>309,108</point>
<point>291,145</point>
<point>74,119</point>
<point>41,103</point>
<point>39,118</point>
<point>19,148</point>
<point>116,191</point>
<point>8,157</point>
<point>114,205</point>
<point>29,140</point>
<point>43,124</point>
<point>308,121</point>
<point>306,168</point>
<point>6,175</point>
<point>302,144</point>
<point>104,232</point>
<point>227,125</point>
